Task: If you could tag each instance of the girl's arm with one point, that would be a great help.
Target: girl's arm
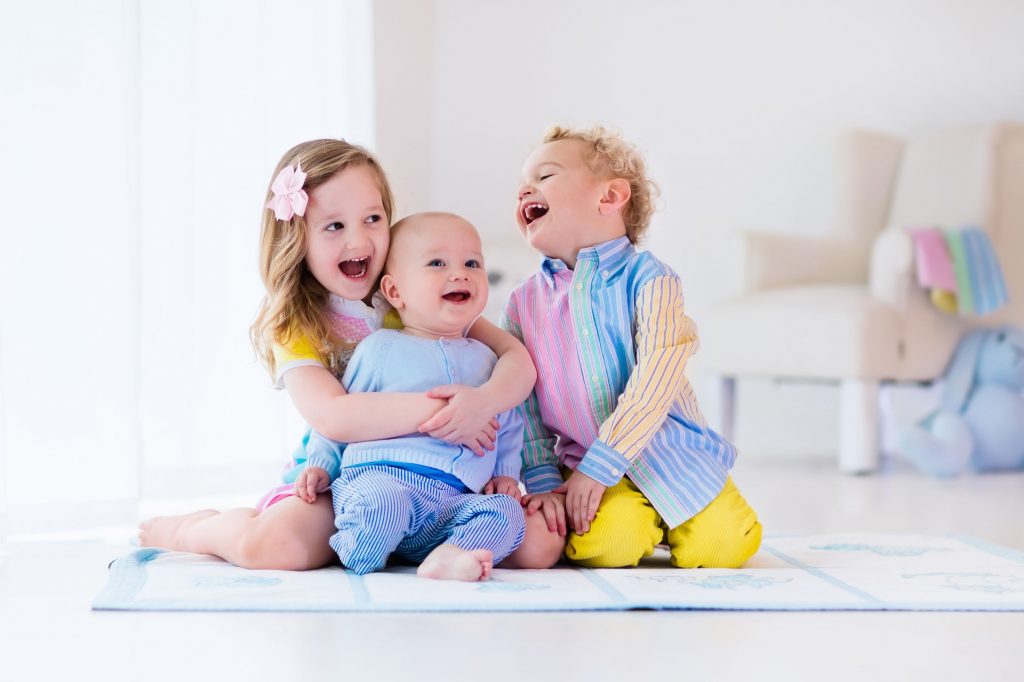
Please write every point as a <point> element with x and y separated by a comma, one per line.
<point>349,417</point>
<point>513,377</point>
<point>468,408</point>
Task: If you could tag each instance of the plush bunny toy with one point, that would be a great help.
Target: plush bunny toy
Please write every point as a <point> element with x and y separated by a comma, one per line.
<point>980,424</point>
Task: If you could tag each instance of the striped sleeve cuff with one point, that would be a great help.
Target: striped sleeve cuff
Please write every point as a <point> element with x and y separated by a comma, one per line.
<point>542,479</point>
<point>603,464</point>
<point>537,451</point>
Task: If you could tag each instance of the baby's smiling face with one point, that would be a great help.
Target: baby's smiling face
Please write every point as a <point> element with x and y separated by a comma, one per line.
<point>435,275</point>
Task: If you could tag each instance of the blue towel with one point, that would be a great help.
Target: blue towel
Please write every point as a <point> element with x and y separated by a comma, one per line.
<point>988,289</point>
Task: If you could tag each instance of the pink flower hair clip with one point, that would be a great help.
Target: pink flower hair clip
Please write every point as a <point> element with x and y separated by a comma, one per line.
<point>289,197</point>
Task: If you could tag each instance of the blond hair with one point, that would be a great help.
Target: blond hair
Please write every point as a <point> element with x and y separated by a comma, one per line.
<point>610,154</point>
<point>295,304</point>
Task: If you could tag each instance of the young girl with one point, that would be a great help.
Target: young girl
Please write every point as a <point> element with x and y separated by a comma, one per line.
<point>325,237</point>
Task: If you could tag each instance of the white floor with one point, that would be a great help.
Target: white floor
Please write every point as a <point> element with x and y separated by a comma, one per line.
<point>48,632</point>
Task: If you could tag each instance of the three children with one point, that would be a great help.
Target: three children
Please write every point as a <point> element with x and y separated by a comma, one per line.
<point>614,446</point>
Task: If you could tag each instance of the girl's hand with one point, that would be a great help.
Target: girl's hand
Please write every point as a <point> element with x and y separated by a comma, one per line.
<point>503,485</point>
<point>582,498</point>
<point>311,481</point>
<point>552,505</point>
<point>467,420</point>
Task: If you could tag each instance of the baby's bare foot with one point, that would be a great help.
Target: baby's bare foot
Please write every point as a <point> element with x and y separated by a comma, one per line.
<point>448,562</point>
<point>166,531</point>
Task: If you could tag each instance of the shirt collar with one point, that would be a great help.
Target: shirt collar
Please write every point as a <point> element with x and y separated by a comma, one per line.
<point>610,256</point>
<point>358,309</point>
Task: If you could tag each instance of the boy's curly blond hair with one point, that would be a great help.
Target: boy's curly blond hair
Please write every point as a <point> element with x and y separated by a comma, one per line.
<point>609,153</point>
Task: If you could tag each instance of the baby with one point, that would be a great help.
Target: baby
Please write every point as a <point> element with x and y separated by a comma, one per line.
<point>417,496</point>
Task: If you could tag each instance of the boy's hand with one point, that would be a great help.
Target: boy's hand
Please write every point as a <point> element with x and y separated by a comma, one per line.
<point>467,420</point>
<point>582,498</point>
<point>311,481</point>
<point>503,485</point>
<point>552,505</point>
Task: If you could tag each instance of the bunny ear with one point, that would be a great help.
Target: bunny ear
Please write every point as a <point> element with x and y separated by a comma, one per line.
<point>961,371</point>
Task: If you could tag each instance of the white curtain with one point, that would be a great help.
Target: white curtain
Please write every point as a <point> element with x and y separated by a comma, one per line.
<point>137,142</point>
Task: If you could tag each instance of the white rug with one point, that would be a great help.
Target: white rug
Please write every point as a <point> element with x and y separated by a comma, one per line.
<point>832,572</point>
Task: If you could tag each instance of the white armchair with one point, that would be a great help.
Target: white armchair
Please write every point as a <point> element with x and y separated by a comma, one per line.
<point>846,306</point>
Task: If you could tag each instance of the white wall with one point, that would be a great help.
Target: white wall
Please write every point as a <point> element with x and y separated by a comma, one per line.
<point>137,140</point>
<point>224,92</point>
<point>737,105</point>
<point>69,268</point>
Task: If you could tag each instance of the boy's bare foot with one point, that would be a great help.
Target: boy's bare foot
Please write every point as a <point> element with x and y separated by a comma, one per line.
<point>166,531</point>
<point>448,562</point>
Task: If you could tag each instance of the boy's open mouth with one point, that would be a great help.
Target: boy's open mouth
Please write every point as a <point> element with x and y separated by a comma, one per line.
<point>534,210</point>
<point>460,296</point>
<point>354,268</point>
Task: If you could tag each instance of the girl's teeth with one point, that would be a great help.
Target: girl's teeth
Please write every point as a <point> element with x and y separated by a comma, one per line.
<point>354,268</point>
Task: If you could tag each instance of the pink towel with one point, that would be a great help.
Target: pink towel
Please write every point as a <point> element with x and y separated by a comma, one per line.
<point>934,264</point>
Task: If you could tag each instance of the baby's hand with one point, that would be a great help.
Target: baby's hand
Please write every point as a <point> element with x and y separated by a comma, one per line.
<point>503,485</point>
<point>552,505</point>
<point>311,481</point>
<point>467,420</point>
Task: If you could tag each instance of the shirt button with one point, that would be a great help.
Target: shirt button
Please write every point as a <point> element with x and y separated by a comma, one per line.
<point>606,273</point>
<point>585,332</point>
<point>594,378</point>
<point>615,472</point>
<point>580,286</point>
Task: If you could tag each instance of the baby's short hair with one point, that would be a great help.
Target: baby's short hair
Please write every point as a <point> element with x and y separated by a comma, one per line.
<point>408,224</point>
<point>612,154</point>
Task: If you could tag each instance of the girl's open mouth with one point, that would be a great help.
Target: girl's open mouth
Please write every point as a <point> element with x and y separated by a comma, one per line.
<point>456,296</point>
<point>355,268</point>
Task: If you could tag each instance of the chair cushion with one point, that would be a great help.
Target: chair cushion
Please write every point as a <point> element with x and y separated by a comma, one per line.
<point>946,178</point>
<point>821,331</point>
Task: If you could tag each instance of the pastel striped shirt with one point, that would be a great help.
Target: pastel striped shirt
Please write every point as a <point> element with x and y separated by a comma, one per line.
<point>610,342</point>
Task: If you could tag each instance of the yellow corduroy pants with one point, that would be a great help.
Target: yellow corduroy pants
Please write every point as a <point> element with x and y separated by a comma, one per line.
<point>626,528</point>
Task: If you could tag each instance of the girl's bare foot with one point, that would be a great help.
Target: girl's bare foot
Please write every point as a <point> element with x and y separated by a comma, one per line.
<point>448,562</point>
<point>166,531</point>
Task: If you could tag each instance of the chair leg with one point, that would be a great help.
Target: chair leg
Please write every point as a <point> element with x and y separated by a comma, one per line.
<point>858,426</point>
<point>723,403</point>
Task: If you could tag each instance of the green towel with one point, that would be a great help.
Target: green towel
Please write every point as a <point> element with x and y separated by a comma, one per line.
<point>964,294</point>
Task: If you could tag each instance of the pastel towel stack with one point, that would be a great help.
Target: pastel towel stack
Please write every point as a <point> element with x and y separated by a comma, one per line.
<point>961,270</point>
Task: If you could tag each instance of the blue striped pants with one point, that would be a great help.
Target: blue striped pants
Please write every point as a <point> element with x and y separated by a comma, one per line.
<point>381,510</point>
